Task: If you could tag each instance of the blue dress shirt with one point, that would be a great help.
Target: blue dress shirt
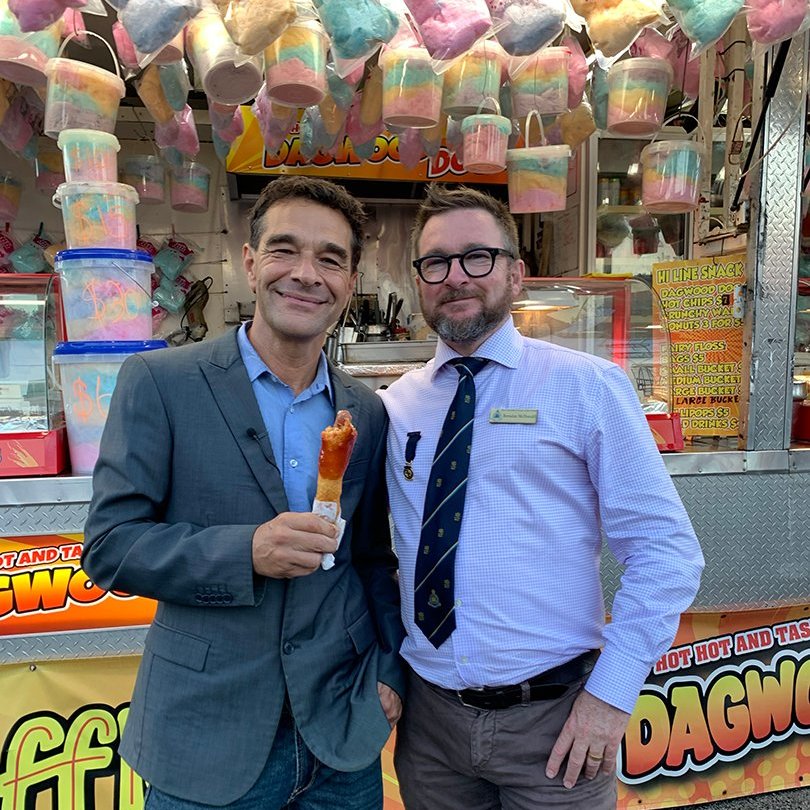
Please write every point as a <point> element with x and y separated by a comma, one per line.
<point>293,423</point>
<point>539,496</point>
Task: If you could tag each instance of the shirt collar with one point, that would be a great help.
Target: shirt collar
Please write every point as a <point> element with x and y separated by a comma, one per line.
<point>255,366</point>
<point>504,346</point>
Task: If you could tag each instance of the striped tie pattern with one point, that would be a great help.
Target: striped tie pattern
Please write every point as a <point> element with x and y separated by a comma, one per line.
<point>434,601</point>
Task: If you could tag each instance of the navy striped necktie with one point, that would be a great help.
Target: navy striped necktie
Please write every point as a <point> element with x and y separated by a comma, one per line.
<point>434,600</point>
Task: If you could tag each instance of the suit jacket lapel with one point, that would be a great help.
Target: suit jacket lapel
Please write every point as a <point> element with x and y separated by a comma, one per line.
<point>234,396</point>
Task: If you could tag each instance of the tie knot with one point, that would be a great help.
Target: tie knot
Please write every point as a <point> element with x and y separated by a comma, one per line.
<point>469,366</point>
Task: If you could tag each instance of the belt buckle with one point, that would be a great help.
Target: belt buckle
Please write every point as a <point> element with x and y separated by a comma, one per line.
<point>460,696</point>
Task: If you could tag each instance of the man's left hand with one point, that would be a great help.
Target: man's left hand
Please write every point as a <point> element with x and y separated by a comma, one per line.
<point>391,702</point>
<point>590,737</point>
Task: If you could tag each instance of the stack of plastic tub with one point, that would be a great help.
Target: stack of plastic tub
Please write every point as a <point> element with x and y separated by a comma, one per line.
<point>105,287</point>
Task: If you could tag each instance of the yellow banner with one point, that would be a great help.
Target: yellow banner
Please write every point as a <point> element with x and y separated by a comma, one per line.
<point>704,320</point>
<point>249,156</point>
<point>43,589</point>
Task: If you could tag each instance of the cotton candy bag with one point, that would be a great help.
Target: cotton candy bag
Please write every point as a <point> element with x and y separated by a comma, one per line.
<point>357,27</point>
<point>151,24</point>
<point>704,21</point>
<point>35,15</point>
<point>771,21</point>
<point>613,25</point>
<point>450,27</point>
<point>525,26</point>
<point>275,122</point>
<point>254,24</point>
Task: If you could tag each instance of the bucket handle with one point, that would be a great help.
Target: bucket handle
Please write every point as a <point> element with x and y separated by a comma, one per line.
<point>107,45</point>
<point>484,100</point>
<point>683,115</point>
<point>542,131</point>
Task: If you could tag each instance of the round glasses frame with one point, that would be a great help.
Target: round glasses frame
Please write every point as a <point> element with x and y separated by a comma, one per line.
<point>433,273</point>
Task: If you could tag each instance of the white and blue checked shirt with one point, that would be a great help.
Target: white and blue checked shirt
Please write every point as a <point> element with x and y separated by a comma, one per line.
<point>528,593</point>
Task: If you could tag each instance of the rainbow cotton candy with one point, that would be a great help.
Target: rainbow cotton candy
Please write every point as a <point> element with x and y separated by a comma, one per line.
<point>412,92</point>
<point>538,178</point>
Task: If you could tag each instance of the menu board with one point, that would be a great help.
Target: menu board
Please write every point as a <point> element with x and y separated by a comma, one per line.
<point>701,304</point>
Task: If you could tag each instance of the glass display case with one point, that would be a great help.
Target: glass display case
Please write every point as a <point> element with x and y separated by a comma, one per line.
<point>32,436</point>
<point>617,319</point>
<point>624,238</point>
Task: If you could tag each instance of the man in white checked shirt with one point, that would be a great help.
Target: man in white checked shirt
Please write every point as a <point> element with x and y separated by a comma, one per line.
<point>511,704</point>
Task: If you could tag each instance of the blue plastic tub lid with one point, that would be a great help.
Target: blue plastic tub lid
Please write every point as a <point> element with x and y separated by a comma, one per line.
<point>111,254</point>
<point>108,346</point>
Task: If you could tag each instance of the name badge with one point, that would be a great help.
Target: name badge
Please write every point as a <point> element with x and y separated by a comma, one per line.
<point>513,416</point>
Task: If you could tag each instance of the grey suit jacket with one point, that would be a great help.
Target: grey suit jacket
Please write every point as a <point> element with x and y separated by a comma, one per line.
<point>184,477</point>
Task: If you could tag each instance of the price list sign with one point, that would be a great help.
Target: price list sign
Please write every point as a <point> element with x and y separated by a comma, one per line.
<point>702,312</point>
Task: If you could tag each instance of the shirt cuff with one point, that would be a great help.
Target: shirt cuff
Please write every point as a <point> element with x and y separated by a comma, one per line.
<point>618,680</point>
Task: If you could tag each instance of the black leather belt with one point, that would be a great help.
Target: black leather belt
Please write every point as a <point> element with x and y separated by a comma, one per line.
<point>548,685</point>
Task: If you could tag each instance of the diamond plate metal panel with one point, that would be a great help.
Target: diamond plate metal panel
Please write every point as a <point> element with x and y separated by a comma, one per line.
<point>754,535</point>
<point>773,254</point>
<point>16,521</point>
<point>120,641</point>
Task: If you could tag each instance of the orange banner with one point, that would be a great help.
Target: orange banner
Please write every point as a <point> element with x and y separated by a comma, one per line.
<point>701,303</point>
<point>44,590</point>
<point>249,156</point>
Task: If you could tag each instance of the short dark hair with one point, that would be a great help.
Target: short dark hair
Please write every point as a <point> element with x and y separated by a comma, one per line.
<point>314,189</point>
<point>440,199</point>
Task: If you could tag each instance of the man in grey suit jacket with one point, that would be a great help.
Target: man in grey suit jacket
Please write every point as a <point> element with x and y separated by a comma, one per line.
<point>266,681</point>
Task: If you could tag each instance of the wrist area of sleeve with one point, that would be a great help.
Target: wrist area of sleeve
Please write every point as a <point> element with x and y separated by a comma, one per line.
<point>617,680</point>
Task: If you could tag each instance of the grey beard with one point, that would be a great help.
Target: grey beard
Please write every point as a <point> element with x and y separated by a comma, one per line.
<point>473,328</point>
<point>462,331</point>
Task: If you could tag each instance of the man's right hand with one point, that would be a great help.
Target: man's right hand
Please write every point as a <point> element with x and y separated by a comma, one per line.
<point>291,544</point>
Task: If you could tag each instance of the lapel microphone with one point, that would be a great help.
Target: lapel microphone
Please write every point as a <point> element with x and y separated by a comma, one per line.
<point>252,433</point>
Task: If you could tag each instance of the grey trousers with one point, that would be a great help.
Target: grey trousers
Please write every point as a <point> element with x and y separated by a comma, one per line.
<point>451,757</point>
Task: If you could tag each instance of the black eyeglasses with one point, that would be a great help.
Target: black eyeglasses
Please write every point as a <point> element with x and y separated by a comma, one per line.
<point>476,262</point>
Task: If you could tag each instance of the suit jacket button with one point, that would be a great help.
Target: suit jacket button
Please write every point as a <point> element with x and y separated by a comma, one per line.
<point>288,648</point>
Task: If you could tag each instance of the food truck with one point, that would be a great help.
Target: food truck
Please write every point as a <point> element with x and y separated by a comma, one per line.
<point>666,235</point>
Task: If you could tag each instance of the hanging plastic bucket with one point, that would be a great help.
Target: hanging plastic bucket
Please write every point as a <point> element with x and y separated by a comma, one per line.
<point>637,95</point>
<point>10,193</point>
<point>412,91</point>
<point>88,372</point>
<point>226,74</point>
<point>540,83</point>
<point>670,175</point>
<point>89,156</point>
<point>147,175</point>
<point>537,176</point>
<point>190,184</point>
<point>486,138</point>
<point>472,83</point>
<point>106,293</point>
<point>81,95</point>
<point>98,214</point>
<point>295,64</point>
